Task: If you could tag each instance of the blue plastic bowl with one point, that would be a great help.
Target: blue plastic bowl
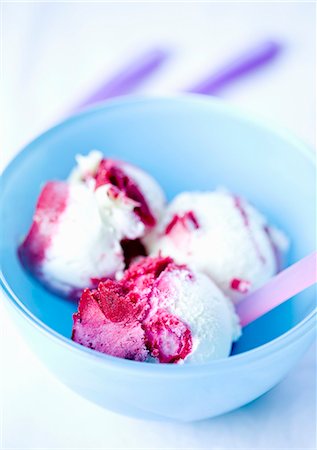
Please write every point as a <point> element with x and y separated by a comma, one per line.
<point>187,143</point>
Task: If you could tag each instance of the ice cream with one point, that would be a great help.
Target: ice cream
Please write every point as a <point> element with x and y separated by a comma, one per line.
<point>89,239</point>
<point>130,201</point>
<point>158,312</point>
<point>89,228</point>
<point>221,235</point>
<point>68,247</point>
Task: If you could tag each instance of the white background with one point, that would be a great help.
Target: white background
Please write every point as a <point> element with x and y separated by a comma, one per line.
<point>52,56</point>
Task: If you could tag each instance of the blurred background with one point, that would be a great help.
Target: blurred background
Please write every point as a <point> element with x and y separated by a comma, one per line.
<point>54,57</point>
<point>55,54</point>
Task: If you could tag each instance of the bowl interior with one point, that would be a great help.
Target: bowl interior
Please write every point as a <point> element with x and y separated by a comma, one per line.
<point>188,143</point>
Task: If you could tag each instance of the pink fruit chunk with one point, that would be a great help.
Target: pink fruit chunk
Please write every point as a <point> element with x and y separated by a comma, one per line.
<point>109,172</point>
<point>187,222</point>
<point>168,337</point>
<point>130,319</point>
<point>108,322</point>
<point>242,286</point>
<point>180,230</point>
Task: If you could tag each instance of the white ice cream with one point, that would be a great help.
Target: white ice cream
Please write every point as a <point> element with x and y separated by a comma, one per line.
<point>117,214</point>
<point>82,248</point>
<point>86,167</point>
<point>197,301</point>
<point>222,236</point>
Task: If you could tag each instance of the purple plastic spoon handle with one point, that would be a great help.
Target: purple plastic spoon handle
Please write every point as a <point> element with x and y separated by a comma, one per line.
<point>248,62</point>
<point>137,71</point>
<point>291,281</point>
<point>127,79</point>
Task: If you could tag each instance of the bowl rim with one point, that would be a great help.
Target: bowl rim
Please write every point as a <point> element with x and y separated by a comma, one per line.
<point>305,326</point>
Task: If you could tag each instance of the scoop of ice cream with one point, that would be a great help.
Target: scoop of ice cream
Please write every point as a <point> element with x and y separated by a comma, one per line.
<point>90,227</point>
<point>130,201</point>
<point>158,312</point>
<point>221,235</point>
<point>68,248</point>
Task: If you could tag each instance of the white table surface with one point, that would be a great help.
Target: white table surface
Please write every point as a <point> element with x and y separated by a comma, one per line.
<point>52,54</point>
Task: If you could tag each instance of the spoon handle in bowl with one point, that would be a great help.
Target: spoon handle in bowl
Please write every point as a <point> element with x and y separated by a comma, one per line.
<point>291,281</point>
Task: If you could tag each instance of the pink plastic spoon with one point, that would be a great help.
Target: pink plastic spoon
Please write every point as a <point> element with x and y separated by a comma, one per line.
<point>291,281</point>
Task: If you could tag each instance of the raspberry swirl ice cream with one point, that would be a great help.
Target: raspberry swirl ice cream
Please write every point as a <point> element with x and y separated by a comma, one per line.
<point>221,235</point>
<point>90,228</point>
<point>68,247</point>
<point>158,312</point>
<point>129,200</point>
<point>88,240</point>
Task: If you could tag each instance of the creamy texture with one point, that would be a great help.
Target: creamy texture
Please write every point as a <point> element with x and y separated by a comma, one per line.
<point>158,312</point>
<point>222,236</point>
<point>86,168</point>
<point>117,213</point>
<point>90,228</point>
<point>130,201</point>
<point>68,247</point>
<point>82,250</point>
<point>210,315</point>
